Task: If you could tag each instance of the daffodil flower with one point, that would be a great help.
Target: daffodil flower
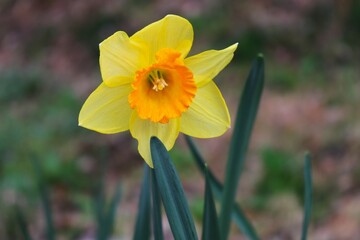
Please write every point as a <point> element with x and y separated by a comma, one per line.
<point>151,87</point>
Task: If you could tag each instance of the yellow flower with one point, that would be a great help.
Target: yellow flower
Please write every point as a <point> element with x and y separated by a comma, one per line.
<point>151,88</point>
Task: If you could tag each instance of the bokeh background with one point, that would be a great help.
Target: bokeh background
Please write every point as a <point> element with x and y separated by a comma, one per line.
<point>49,65</point>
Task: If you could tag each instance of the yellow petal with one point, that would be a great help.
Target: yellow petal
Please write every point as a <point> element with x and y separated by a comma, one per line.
<point>120,58</point>
<point>206,65</point>
<point>170,32</point>
<point>107,109</point>
<point>143,130</point>
<point>207,115</point>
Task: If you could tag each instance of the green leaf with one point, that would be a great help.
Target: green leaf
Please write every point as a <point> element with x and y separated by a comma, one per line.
<point>156,207</point>
<point>111,213</point>
<point>105,217</point>
<point>22,224</point>
<point>210,223</point>
<point>307,196</point>
<point>172,193</point>
<point>45,199</point>
<point>99,204</point>
<point>245,118</point>
<point>142,227</point>
<point>238,216</point>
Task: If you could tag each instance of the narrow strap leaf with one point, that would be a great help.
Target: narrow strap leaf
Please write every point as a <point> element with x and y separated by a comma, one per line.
<point>142,226</point>
<point>99,203</point>
<point>156,207</point>
<point>45,199</point>
<point>307,196</point>
<point>22,224</point>
<point>240,219</point>
<point>111,213</point>
<point>98,209</point>
<point>238,215</point>
<point>210,220</point>
<point>172,193</point>
<point>218,187</point>
<point>245,118</point>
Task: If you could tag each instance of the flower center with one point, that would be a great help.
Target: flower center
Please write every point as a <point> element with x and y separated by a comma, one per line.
<point>157,80</point>
<point>164,90</point>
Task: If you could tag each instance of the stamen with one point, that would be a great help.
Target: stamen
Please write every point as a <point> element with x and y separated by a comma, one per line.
<point>159,84</point>
<point>157,80</point>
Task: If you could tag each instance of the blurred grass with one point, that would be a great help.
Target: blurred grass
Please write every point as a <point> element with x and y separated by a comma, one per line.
<point>318,52</point>
<point>281,174</point>
<point>182,161</point>
<point>40,119</point>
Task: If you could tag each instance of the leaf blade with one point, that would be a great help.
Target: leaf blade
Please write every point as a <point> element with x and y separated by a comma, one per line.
<point>99,206</point>
<point>307,196</point>
<point>210,218</point>
<point>142,226</point>
<point>238,215</point>
<point>45,199</point>
<point>156,207</point>
<point>172,193</point>
<point>22,223</point>
<point>245,118</point>
<point>111,213</point>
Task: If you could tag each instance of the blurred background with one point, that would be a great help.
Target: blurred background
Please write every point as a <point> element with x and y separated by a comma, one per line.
<point>49,66</point>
